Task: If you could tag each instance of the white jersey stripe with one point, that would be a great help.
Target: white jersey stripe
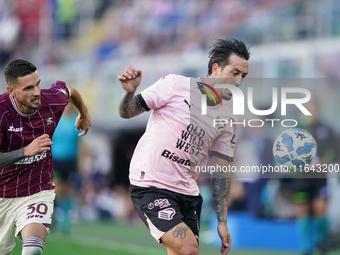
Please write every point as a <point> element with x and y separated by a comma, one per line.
<point>55,125</point>
<point>42,119</point>
<point>42,166</point>
<point>10,140</point>
<point>3,116</point>
<point>16,168</point>
<point>29,119</point>
<point>59,104</point>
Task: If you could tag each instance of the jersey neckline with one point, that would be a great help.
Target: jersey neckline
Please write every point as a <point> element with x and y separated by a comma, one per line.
<point>17,109</point>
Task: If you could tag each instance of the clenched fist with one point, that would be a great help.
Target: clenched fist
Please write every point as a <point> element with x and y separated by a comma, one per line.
<point>39,144</point>
<point>130,79</point>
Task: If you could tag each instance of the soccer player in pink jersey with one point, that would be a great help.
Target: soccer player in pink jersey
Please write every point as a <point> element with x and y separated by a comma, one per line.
<point>178,139</point>
<point>29,116</point>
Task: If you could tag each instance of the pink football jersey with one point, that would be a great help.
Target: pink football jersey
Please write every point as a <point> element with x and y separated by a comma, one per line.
<point>31,174</point>
<point>178,138</point>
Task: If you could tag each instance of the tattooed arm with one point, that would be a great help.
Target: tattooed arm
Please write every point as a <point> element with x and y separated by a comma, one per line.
<point>220,189</point>
<point>129,105</point>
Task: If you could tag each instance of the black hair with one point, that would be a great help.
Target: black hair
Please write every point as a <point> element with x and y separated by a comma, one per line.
<point>17,68</point>
<point>222,49</point>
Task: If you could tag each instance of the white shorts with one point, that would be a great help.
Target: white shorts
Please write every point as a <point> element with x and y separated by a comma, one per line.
<point>16,213</point>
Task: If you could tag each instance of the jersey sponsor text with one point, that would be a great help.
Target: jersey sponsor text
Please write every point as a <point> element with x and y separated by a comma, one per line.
<point>30,160</point>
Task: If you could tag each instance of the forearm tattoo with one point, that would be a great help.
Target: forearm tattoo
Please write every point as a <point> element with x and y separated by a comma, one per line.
<point>220,190</point>
<point>130,106</point>
<point>180,232</point>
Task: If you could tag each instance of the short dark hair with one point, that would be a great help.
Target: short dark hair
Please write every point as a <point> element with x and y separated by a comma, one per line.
<point>222,49</point>
<point>17,68</point>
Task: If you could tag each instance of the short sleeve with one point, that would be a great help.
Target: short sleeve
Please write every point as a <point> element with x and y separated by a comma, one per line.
<point>158,94</point>
<point>58,93</point>
<point>223,147</point>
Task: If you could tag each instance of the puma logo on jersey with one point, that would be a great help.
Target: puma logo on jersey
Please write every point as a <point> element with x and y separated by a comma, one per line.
<point>13,129</point>
<point>185,101</point>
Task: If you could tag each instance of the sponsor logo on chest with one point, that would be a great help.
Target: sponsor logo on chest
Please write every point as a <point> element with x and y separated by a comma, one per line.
<point>13,129</point>
<point>30,160</point>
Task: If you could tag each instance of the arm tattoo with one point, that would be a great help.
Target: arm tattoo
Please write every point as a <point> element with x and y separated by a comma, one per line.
<point>129,106</point>
<point>180,232</point>
<point>9,158</point>
<point>220,189</point>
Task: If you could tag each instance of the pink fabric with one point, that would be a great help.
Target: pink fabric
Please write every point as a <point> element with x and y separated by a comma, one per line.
<point>177,137</point>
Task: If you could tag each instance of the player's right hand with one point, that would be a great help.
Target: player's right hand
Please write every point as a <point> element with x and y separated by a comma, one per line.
<point>39,144</point>
<point>223,232</point>
<point>130,79</point>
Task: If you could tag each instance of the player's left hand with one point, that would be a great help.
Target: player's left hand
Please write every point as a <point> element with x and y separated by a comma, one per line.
<point>223,232</point>
<point>83,122</point>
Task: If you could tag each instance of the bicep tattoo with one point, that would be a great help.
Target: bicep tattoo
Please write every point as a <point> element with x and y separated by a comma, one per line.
<point>130,106</point>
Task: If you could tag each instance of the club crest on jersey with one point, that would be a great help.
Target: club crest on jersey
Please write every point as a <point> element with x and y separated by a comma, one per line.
<point>49,121</point>
<point>220,124</point>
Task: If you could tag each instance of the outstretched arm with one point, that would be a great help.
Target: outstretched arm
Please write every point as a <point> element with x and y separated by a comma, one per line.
<point>38,145</point>
<point>129,105</point>
<point>83,120</point>
<point>220,189</point>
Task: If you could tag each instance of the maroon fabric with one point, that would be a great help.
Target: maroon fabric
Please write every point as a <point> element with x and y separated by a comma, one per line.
<point>17,130</point>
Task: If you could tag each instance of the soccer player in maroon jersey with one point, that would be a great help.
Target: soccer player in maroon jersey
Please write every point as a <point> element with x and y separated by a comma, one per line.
<point>28,118</point>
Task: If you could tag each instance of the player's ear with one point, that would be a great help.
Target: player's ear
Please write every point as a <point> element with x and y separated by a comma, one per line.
<point>10,90</point>
<point>215,69</point>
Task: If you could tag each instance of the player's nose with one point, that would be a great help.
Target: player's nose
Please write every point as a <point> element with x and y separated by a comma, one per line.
<point>36,91</point>
<point>238,82</point>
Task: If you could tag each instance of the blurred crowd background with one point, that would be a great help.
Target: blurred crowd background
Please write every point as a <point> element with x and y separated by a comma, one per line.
<point>88,43</point>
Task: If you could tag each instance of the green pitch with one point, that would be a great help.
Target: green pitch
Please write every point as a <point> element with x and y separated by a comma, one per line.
<point>109,238</point>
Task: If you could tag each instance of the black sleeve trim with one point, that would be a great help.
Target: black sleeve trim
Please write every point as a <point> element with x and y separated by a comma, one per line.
<point>220,155</point>
<point>141,100</point>
<point>9,158</point>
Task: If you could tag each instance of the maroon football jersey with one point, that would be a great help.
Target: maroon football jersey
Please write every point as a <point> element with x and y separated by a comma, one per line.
<point>31,174</point>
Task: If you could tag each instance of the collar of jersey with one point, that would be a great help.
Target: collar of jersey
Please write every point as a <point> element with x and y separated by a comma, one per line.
<point>17,109</point>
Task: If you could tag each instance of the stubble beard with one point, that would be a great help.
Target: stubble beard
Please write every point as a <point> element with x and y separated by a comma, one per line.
<point>30,105</point>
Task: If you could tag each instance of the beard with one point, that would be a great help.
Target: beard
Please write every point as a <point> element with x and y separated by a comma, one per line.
<point>30,105</point>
